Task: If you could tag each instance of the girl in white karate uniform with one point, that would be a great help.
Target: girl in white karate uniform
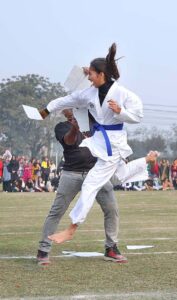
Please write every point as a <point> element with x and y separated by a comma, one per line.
<point>110,105</point>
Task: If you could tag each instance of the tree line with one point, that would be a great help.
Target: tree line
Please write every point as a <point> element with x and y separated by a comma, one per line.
<point>25,136</point>
<point>17,132</point>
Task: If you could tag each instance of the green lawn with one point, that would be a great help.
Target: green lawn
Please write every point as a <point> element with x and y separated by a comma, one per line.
<point>146,218</point>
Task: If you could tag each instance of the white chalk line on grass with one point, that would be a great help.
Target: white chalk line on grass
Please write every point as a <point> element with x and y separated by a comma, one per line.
<point>18,233</point>
<point>92,230</point>
<point>16,225</point>
<point>100,240</point>
<point>149,239</point>
<point>147,253</point>
<point>82,230</point>
<point>24,207</point>
<point>162,295</point>
<point>150,228</point>
<point>71,256</point>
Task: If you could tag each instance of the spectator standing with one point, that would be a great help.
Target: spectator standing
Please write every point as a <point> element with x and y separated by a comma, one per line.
<point>7,155</point>
<point>27,172</point>
<point>164,171</point>
<point>155,175</point>
<point>6,176</point>
<point>174,173</point>
<point>1,168</point>
<point>21,166</point>
<point>52,170</point>
<point>45,170</point>
<point>35,173</point>
<point>13,167</point>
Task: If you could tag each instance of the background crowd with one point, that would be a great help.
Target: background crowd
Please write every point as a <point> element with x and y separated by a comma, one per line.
<point>21,174</point>
<point>162,176</point>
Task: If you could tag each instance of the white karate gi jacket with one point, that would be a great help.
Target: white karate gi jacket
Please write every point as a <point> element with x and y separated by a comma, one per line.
<point>131,112</point>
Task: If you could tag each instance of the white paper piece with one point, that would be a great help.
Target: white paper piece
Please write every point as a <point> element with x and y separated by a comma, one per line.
<point>82,254</point>
<point>76,80</point>
<point>134,247</point>
<point>32,112</point>
<point>81,115</point>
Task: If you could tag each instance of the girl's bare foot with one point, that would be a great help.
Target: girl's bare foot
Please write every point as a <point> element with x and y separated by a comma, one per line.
<point>65,235</point>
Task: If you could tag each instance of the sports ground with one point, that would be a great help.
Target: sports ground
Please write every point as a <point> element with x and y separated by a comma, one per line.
<point>146,218</point>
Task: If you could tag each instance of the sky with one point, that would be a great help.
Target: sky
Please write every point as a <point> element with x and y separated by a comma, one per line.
<point>49,37</point>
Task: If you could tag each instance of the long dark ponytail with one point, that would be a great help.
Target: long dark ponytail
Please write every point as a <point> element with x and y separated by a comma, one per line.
<point>107,65</point>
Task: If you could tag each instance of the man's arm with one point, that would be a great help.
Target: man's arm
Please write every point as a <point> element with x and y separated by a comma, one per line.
<point>70,137</point>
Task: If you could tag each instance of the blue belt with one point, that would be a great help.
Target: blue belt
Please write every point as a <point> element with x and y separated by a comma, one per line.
<point>103,128</point>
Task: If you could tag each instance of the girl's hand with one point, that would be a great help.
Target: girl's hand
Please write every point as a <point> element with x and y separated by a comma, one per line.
<point>112,104</point>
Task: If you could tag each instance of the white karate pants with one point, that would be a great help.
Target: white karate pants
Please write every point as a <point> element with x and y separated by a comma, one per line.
<point>99,175</point>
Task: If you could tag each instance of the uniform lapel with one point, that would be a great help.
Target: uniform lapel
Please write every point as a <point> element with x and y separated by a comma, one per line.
<point>102,112</point>
<point>97,105</point>
<point>109,96</point>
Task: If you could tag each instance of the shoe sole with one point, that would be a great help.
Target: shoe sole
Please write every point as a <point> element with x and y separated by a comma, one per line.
<point>42,263</point>
<point>115,260</point>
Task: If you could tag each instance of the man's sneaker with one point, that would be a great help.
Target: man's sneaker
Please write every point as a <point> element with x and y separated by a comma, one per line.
<point>113,254</point>
<point>42,258</point>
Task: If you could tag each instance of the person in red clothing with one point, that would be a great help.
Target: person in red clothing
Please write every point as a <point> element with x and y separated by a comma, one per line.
<point>154,176</point>
<point>27,172</point>
<point>155,169</point>
<point>1,168</point>
<point>174,173</point>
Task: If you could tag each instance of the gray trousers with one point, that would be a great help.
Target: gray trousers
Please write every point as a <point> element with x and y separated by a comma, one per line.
<point>69,185</point>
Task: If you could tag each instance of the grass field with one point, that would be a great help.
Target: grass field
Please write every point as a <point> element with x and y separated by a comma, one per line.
<point>146,218</point>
